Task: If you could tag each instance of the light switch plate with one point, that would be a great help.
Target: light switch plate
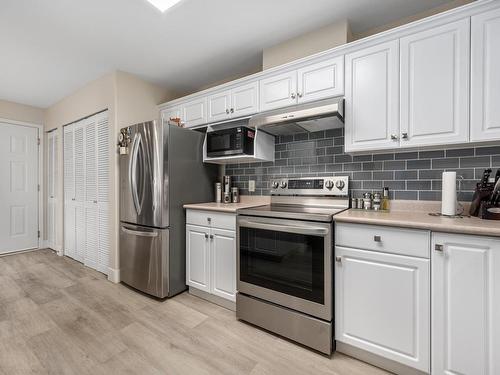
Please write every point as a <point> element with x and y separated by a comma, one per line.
<point>251,186</point>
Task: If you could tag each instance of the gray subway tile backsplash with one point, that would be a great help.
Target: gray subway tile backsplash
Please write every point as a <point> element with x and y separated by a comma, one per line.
<point>409,174</point>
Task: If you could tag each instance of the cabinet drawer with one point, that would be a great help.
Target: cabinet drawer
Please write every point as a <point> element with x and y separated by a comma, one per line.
<point>392,240</point>
<point>211,219</point>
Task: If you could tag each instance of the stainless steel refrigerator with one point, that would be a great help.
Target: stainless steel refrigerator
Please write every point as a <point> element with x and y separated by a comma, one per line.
<point>161,169</point>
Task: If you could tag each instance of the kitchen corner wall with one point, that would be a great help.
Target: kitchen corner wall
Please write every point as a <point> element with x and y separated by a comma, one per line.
<point>410,175</point>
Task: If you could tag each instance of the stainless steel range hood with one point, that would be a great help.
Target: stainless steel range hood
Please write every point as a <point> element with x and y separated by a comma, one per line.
<point>309,117</point>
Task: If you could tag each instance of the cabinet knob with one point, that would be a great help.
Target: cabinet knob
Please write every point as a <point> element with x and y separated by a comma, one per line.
<point>95,202</point>
<point>439,248</point>
<point>206,235</point>
<point>404,136</point>
<point>338,259</point>
<point>394,137</point>
<point>209,219</point>
<point>211,236</point>
<point>377,238</point>
<point>227,111</point>
<point>293,95</point>
<point>232,110</point>
<point>299,94</point>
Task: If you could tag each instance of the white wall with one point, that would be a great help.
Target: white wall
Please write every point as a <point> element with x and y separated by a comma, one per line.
<point>327,37</point>
<point>21,112</point>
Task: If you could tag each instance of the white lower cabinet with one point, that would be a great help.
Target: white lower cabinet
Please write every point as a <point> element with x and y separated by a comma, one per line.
<point>383,305</point>
<point>211,254</point>
<point>465,305</point>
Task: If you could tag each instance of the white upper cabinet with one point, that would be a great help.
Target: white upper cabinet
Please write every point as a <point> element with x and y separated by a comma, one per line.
<point>372,98</point>
<point>194,113</point>
<point>321,80</point>
<point>245,99</point>
<point>240,101</point>
<point>171,113</point>
<point>485,76</point>
<point>435,85</point>
<point>465,305</point>
<point>219,106</point>
<point>316,81</point>
<point>278,91</point>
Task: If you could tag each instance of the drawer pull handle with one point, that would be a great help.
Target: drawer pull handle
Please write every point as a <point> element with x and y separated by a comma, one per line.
<point>338,259</point>
<point>209,219</point>
<point>377,239</point>
<point>439,248</point>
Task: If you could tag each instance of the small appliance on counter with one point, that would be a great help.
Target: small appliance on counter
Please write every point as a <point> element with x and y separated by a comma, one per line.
<point>486,200</point>
<point>225,192</point>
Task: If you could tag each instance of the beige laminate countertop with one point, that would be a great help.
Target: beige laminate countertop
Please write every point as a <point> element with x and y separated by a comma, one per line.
<point>222,207</point>
<point>422,220</point>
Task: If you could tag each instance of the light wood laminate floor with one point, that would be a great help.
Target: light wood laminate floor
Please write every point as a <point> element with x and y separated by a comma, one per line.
<point>59,317</point>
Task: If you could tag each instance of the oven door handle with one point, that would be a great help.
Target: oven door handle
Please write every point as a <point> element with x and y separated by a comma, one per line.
<point>313,231</point>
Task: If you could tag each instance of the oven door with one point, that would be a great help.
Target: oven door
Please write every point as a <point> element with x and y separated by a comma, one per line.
<point>286,262</point>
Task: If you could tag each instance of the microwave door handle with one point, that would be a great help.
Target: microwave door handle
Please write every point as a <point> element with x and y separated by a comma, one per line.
<point>139,233</point>
<point>313,231</point>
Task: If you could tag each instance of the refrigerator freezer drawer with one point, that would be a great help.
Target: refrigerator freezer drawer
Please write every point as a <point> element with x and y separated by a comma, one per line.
<point>144,259</point>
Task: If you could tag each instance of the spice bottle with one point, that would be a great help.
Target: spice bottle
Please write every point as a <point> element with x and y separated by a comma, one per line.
<point>386,203</point>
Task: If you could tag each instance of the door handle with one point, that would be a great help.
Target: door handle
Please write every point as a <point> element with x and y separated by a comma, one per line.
<point>139,233</point>
<point>377,239</point>
<point>313,231</point>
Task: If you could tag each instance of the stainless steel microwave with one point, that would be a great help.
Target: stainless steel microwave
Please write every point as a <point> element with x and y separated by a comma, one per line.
<point>234,141</point>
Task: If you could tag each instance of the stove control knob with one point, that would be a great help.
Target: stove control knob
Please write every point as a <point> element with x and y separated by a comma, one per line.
<point>329,184</point>
<point>275,184</point>
<point>283,184</point>
<point>340,184</point>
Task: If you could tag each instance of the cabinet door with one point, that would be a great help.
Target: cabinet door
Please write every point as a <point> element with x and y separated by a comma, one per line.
<point>485,76</point>
<point>321,80</point>
<point>223,259</point>
<point>435,86</point>
<point>382,305</point>
<point>278,91</point>
<point>171,113</point>
<point>194,113</point>
<point>198,257</point>
<point>219,106</point>
<point>245,99</point>
<point>465,305</point>
<point>372,98</point>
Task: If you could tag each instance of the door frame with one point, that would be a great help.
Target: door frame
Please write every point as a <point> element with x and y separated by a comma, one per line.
<point>41,191</point>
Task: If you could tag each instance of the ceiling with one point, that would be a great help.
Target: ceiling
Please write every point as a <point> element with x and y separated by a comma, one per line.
<point>50,48</point>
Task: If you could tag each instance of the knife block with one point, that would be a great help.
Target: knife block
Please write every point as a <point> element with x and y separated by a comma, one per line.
<point>484,213</point>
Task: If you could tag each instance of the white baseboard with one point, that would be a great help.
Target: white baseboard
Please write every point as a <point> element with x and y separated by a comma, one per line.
<point>114,275</point>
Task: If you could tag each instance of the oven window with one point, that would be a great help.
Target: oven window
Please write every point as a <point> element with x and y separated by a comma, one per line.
<point>219,142</point>
<point>285,262</point>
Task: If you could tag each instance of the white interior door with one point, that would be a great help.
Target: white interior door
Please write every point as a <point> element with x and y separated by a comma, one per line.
<point>18,188</point>
<point>51,188</point>
<point>103,187</point>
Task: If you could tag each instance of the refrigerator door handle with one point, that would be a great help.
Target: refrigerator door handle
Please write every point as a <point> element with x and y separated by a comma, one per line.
<point>133,172</point>
<point>139,233</point>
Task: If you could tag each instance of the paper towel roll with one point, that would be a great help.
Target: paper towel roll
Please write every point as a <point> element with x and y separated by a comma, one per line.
<point>449,194</point>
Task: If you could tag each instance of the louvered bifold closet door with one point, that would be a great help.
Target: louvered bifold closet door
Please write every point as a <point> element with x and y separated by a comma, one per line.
<point>91,216</point>
<point>69,192</point>
<point>79,156</point>
<point>103,189</point>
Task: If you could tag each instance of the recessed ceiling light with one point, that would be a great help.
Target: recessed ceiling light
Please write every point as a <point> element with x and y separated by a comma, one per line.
<point>163,5</point>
